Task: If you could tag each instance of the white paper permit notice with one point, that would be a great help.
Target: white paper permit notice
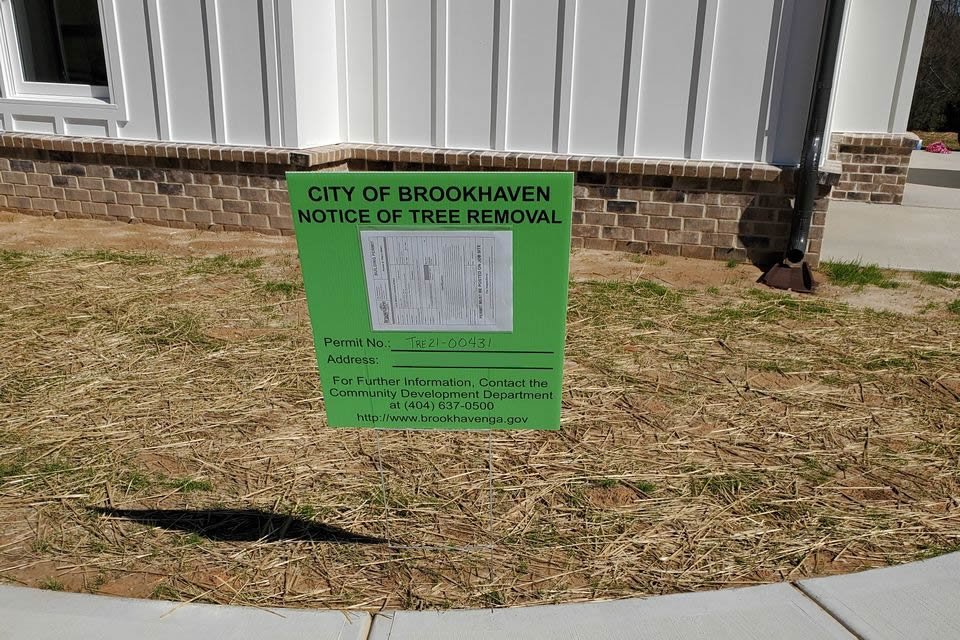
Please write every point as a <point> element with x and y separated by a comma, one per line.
<point>439,280</point>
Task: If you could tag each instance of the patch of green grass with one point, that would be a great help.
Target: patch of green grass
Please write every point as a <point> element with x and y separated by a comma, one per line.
<point>135,481</point>
<point>176,328</point>
<point>887,363</point>
<point>779,366</point>
<point>635,299</point>
<point>726,485</point>
<point>306,511</point>
<point>605,483</point>
<point>283,288</point>
<point>853,273</point>
<point>8,469</point>
<point>732,263</point>
<point>164,591</point>
<point>954,307</point>
<point>939,279</point>
<point>11,259</point>
<point>644,486</point>
<point>55,467</point>
<point>784,510</point>
<point>222,264</point>
<point>814,471</point>
<point>120,257</point>
<point>188,485</point>
<point>935,550</point>
<point>766,307</point>
<point>189,540</point>
<point>52,584</point>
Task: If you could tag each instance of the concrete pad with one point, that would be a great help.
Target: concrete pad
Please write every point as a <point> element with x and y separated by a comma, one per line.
<point>754,613</point>
<point>914,601</point>
<point>899,237</point>
<point>935,170</point>
<point>48,615</point>
<point>927,160</point>
<point>921,195</point>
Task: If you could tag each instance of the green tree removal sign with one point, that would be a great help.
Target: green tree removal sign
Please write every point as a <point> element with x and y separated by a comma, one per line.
<point>438,300</point>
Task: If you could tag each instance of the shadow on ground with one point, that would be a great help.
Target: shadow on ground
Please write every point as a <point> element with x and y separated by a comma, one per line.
<point>240,525</point>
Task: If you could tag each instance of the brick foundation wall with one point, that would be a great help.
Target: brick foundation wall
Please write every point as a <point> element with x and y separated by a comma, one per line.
<point>874,166</point>
<point>697,209</point>
<point>713,218</point>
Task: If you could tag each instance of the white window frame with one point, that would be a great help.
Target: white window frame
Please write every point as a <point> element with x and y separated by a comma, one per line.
<point>34,98</point>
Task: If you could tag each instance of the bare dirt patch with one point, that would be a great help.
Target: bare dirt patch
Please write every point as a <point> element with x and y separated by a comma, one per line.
<point>162,434</point>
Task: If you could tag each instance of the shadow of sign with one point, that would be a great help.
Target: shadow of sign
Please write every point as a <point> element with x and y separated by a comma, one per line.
<point>243,525</point>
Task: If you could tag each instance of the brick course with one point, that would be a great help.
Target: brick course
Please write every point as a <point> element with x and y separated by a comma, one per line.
<point>873,166</point>
<point>698,209</point>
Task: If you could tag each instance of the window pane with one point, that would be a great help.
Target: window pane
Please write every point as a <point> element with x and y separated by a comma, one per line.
<point>60,41</point>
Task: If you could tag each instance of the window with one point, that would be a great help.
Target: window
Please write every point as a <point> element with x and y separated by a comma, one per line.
<point>56,48</point>
<point>60,41</point>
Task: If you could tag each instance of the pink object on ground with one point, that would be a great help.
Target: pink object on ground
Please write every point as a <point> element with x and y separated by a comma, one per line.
<point>937,147</point>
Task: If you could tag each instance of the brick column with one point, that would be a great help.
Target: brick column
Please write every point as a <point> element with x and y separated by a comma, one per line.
<point>874,165</point>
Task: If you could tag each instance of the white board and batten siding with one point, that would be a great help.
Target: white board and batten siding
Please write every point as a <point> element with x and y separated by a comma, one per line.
<point>207,71</point>
<point>710,79</point>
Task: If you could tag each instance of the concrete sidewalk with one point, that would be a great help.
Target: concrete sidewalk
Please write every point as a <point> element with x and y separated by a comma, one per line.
<point>894,236</point>
<point>918,601</point>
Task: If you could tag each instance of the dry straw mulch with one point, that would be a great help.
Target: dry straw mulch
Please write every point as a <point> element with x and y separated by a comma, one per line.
<point>162,434</point>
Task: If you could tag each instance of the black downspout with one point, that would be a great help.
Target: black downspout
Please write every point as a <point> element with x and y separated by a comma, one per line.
<point>808,174</point>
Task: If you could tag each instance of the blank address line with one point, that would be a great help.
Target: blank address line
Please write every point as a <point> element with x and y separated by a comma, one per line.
<point>424,366</point>
<point>466,351</point>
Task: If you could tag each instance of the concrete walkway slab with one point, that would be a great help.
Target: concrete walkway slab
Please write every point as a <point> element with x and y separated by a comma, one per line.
<point>898,237</point>
<point>927,160</point>
<point>48,615</point>
<point>917,601</point>
<point>934,169</point>
<point>921,195</point>
<point>776,611</point>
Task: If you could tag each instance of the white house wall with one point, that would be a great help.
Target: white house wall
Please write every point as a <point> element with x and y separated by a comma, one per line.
<point>878,67</point>
<point>208,71</point>
<point>653,78</point>
<point>711,79</point>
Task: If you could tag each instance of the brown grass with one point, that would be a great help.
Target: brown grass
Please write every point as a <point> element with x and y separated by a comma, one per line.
<point>711,437</point>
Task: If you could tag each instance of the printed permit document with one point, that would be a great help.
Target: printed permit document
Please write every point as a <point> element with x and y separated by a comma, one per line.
<point>439,280</point>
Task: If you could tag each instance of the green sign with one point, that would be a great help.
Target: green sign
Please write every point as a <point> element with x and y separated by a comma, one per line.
<point>438,300</point>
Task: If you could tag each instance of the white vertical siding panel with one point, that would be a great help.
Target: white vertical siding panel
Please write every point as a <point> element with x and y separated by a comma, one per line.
<point>343,105</point>
<point>470,77</point>
<point>702,76</point>
<point>797,79</point>
<point>138,76</point>
<point>909,63</point>
<point>315,69</point>
<point>156,68</point>
<point>212,35</point>
<point>272,69</point>
<point>598,60</point>
<point>738,74</point>
<point>360,66</point>
<point>532,74</point>
<point>409,69</point>
<point>242,67</point>
<point>871,61</point>
<point>501,51</point>
<point>631,101</point>
<point>183,44</point>
<point>670,28</point>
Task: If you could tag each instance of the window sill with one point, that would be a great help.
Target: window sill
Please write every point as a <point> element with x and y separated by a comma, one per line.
<point>62,106</point>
